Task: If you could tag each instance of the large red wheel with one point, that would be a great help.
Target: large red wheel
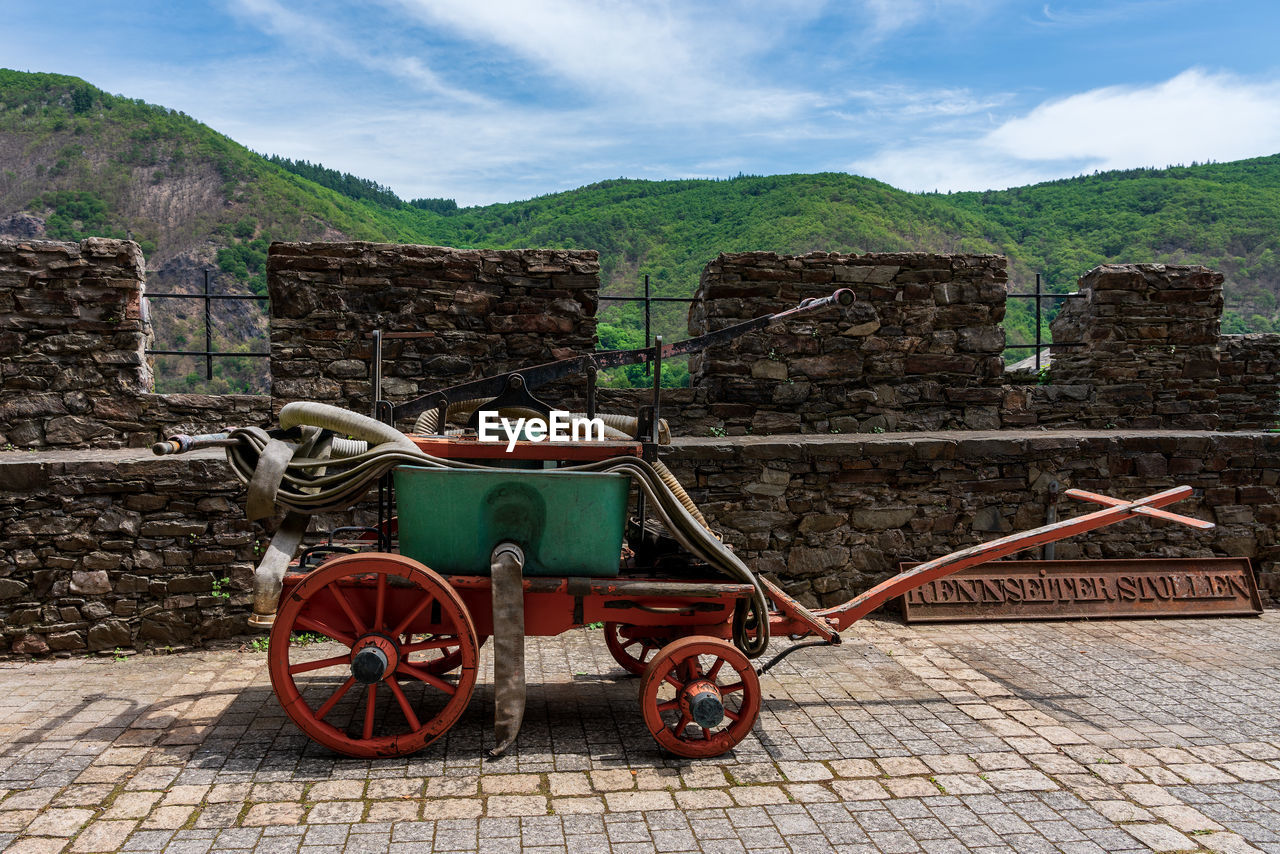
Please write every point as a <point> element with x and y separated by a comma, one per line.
<point>700,696</point>
<point>385,609</point>
<point>630,646</point>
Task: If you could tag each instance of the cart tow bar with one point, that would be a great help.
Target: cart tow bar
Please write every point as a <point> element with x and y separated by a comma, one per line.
<point>506,566</point>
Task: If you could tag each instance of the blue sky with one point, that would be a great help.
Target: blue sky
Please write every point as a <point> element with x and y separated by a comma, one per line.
<point>497,100</point>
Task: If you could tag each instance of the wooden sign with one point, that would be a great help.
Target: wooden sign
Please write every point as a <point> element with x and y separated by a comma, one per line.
<point>1058,589</point>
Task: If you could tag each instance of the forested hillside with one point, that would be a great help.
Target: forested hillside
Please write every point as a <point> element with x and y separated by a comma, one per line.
<point>75,161</point>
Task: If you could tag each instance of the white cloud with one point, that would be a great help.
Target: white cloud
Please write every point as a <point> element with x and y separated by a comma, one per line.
<point>1195,116</point>
<point>669,62</point>
<point>889,16</point>
<point>271,17</point>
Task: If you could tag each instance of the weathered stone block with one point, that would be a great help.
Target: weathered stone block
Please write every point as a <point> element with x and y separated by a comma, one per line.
<point>109,635</point>
<point>90,582</point>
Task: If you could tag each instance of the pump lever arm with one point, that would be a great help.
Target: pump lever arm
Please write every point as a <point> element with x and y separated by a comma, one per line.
<point>540,375</point>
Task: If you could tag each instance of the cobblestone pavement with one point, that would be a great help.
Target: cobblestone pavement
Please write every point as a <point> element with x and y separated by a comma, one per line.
<point>1075,737</point>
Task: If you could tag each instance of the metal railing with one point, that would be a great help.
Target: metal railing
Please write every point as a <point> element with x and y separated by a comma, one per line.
<point>1039,296</point>
<point>208,352</point>
<point>648,300</point>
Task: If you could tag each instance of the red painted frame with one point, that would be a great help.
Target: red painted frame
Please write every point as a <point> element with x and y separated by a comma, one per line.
<point>673,608</point>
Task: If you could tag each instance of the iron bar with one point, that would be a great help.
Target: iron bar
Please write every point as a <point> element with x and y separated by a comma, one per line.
<point>205,353</point>
<point>205,296</point>
<point>648,299</point>
<point>208,330</point>
<point>208,353</point>
<point>1039,296</point>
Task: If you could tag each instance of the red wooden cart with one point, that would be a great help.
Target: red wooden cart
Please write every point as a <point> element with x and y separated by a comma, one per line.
<point>411,634</point>
<point>404,625</point>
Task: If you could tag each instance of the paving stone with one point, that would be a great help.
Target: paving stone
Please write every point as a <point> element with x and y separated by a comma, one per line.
<point>902,766</point>
<point>59,822</point>
<point>336,790</point>
<point>613,781</point>
<point>859,790</point>
<point>1149,795</point>
<point>29,799</point>
<point>447,787</point>
<point>755,772</point>
<point>855,768</point>
<point>335,812</point>
<point>1160,837</point>
<point>510,784</point>
<point>281,813</point>
<point>809,793</point>
<point>758,795</point>
<point>132,805</point>
<point>103,836</point>
<point>514,805</point>
<point>627,801</point>
<point>452,808</point>
<point>1019,781</point>
<point>703,799</point>
<point>168,818</point>
<point>579,805</point>
<point>911,787</point>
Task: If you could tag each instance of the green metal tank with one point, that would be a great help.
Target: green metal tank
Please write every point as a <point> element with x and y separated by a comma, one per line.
<point>567,523</point>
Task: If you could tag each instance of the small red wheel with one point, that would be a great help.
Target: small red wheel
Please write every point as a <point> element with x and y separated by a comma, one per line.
<point>384,609</point>
<point>700,696</point>
<point>630,647</point>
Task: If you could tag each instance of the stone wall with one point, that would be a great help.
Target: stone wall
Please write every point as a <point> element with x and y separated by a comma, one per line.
<point>71,342</point>
<point>830,516</point>
<point>100,549</point>
<point>106,549</point>
<point>1151,346</point>
<point>920,350</point>
<point>473,313</point>
<point>165,414</point>
<point>1249,382</point>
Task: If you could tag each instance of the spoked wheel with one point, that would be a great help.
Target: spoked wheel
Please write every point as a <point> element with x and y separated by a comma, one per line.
<point>700,696</point>
<point>388,611</point>
<point>629,647</point>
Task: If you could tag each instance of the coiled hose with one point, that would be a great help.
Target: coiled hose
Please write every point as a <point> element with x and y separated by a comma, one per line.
<point>315,479</point>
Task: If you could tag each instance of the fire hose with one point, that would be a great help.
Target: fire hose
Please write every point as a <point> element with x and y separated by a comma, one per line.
<point>323,467</point>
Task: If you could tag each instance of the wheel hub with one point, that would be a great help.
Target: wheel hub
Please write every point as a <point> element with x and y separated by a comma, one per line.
<point>373,659</point>
<point>701,700</point>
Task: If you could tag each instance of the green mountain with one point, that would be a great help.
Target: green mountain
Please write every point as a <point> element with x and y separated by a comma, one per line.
<point>76,161</point>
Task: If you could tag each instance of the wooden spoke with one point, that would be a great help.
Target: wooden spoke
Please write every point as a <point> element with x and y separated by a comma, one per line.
<point>318,627</point>
<point>319,664</point>
<point>371,701</point>
<point>413,615</point>
<point>685,720</point>
<point>357,626</point>
<point>630,646</point>
<point>424,676</point>
<point>380,603</point>
<point>437,643</point>
<point>335,697</point>
<point>404,704</point>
